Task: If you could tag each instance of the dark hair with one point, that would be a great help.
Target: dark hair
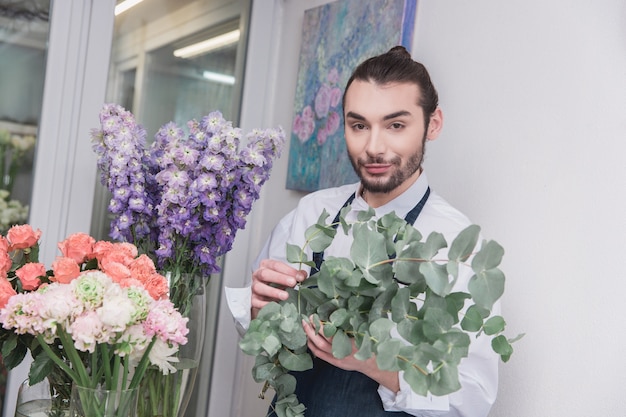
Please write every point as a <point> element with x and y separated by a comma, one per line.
<point>397,66</point>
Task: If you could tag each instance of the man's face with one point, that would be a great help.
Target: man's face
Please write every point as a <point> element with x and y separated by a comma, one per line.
<point>385,134</point>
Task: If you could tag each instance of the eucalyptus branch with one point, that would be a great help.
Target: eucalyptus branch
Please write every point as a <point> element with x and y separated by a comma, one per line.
<point>393,279</point>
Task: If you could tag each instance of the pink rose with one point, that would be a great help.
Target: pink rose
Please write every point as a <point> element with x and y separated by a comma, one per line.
<point>6,291</point>
<point>29,275</point>
<point>78,246</point>
<point>22,237</point>
<point>65,270</point>
<point>101,248</point>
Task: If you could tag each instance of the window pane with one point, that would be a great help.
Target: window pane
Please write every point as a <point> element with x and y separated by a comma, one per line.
<point>23,43</point>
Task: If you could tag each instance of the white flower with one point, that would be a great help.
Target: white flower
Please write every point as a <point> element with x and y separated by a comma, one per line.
<point>162,355</point>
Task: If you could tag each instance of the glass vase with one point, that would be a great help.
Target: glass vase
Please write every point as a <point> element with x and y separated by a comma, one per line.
<point>168,395</point>
<point>99,402</point>
<point>42,400</point>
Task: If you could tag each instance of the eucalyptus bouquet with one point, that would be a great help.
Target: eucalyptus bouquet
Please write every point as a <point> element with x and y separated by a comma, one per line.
<point>393,279</point>
<point>182,198</point>
<point>101,314</point>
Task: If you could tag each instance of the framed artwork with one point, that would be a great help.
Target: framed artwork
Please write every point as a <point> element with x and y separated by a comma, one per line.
<point>336,37</point>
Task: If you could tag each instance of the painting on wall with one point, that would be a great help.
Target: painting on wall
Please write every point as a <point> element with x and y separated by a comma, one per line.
<point>336,37</point>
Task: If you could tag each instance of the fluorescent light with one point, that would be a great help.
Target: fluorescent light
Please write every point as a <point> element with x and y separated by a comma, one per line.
<point>208,45</point>
<point>125,5</point>
<point>219,78</point>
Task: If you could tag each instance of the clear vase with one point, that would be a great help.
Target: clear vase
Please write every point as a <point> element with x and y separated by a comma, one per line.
<point>41,400</point>
<point>99,402</point>
<point>168,395</point>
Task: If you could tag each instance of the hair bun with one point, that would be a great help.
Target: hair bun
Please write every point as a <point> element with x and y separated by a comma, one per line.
<point>400,52</point>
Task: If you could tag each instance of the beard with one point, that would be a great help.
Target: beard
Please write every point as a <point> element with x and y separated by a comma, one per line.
<point>399,175</point>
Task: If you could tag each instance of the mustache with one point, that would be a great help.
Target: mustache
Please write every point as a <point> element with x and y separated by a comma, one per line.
<point>377,160</point>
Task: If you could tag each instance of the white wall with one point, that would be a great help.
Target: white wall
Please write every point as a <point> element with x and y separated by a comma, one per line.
<point>534,95</point>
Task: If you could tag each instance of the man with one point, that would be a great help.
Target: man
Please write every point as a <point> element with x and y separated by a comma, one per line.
<point>390,110</point>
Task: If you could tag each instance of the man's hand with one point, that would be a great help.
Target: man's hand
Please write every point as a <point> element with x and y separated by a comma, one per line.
<point>269,281</point>
<point>322,347</point>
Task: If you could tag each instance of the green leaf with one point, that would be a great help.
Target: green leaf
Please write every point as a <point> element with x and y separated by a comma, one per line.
<point>339,317</point>
<point>411,330</point>
<point>486,287</point>
<point>368,252</point>
<point>342,345</point>
<point>436,277</point>
<point>295,362</point>
<point>381,304</point>
<point>445,381</point>
<point>329,329</point>
<point>380,329</point>
<point>463,245</point>
<point>285,384</point>
<point>416,380</point>
<point>436,323</point>
<point>9,344</point>
<point>494,325</point>
<point>271,344</point>
<point>408,261</point>
<point>473,320</point>
<point>489,256</point>
<point>434,242</point>
<point>41,366</point>
<point>320,235</point>
<point>401,304</point>
<point>364,345</point>
<point>295,254</point>
<point>502,347</point>
<point>386,355</point>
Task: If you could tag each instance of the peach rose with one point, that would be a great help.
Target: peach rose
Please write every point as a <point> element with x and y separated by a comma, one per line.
<point>142,268</point>
<point>78,246</point>
<point>6,291</point>
<point>117,271</point>
<point>5,258</point>
<point>22,237</point>
<point>29,275</point>
<point>156,285</point>
<point>65,270</point>
<point>101,248</point>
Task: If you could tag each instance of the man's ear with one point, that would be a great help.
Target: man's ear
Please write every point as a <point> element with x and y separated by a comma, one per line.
<point>435,125</point>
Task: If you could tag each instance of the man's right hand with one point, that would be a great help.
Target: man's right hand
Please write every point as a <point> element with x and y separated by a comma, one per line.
<point>270,280</point>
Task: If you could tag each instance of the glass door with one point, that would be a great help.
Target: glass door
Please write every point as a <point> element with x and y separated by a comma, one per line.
<point>24,27</point>
<point>177,60</point>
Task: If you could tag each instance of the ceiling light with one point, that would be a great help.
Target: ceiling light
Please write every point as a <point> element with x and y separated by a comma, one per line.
<point>125,5</point>
<point>211,44</point>
<point>219,78</point>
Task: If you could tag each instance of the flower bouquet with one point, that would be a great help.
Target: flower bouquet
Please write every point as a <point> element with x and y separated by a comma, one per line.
<point>181,200</point>
<point>101,315</point>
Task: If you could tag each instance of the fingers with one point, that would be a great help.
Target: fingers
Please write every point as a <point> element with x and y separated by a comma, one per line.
<point>319,345</point>
<point>269,281</point>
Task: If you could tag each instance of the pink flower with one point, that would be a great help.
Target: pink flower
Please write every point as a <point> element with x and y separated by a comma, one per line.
<point>322,135</point>
<point>322,101</point>
<point>332,124</point>
<point>335,96</point>
<point>87,330</point>
<point>6,291</point>
<point>78,246</point>
<point>166,323</point>
<point>30,274</point>
<point>22,237</point>
<point>111,266</point>
<point>333,76</point>
<point>65,270</point>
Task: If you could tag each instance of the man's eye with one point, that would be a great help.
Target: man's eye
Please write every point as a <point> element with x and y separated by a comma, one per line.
<point>358,126</point>
<point>396,125</point>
